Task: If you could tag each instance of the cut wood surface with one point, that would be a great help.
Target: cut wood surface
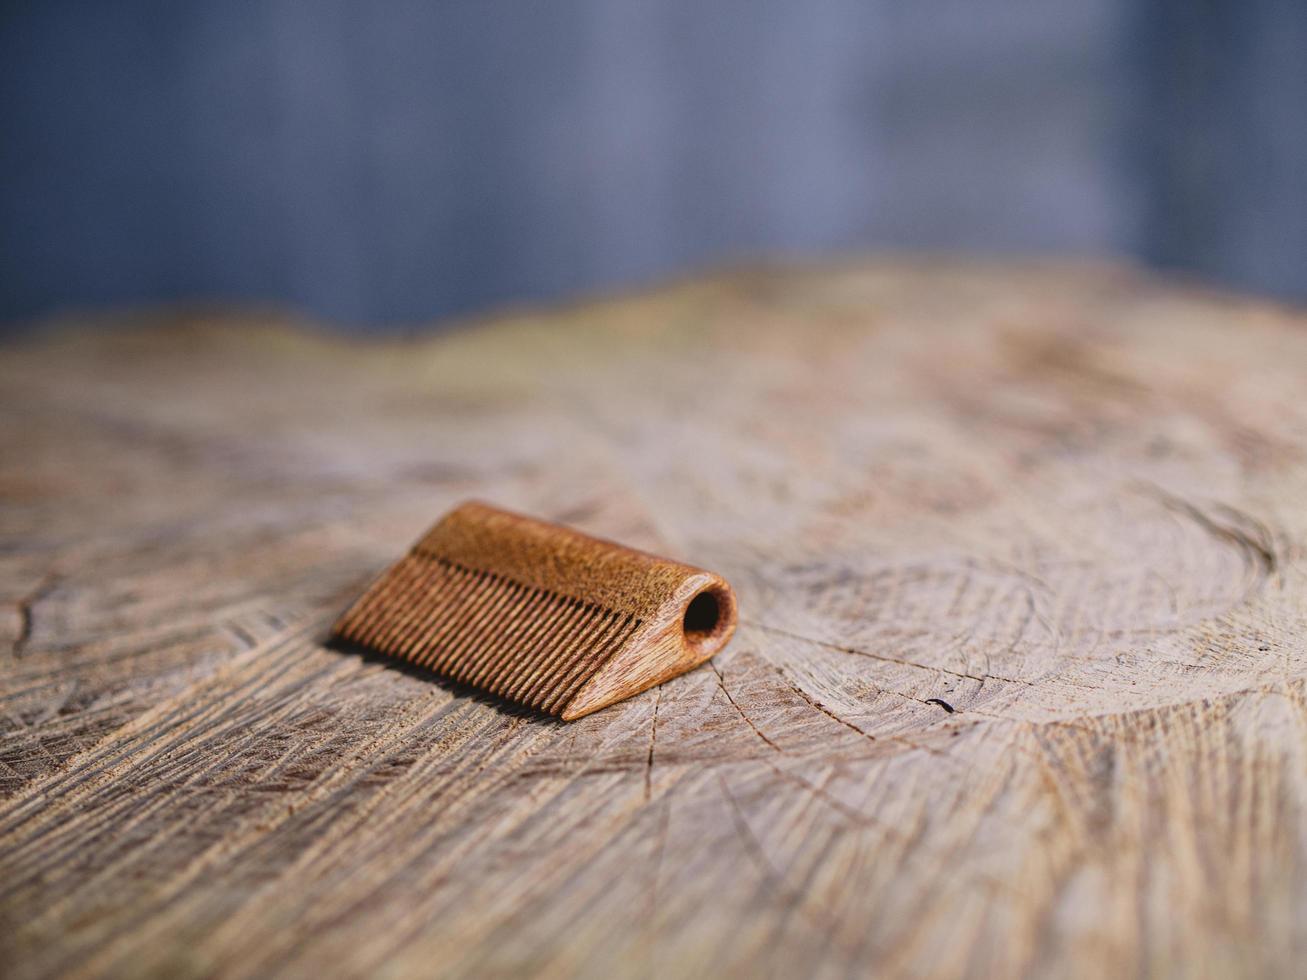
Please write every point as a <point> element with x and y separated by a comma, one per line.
<point>1018,685</point>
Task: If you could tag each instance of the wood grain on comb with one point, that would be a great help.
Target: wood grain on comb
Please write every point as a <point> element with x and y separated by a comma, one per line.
<point>541,614</point>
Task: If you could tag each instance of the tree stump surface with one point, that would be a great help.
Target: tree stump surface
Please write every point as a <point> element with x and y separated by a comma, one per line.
<point>1018,686</point>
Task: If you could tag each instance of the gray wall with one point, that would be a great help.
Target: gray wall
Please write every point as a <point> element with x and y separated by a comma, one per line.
<point>1227,136</point>
<point>392,162</point>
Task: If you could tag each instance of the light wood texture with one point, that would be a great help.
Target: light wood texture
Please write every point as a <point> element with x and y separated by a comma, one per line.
<point>540,614</point>
<point>1068,504</point>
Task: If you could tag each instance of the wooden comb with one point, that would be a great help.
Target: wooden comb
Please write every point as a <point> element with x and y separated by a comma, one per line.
<point>541,614</point>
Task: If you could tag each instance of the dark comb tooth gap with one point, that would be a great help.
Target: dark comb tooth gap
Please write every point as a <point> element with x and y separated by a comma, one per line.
<point>458,647</point>
<point>479,604</point>
<point>557,691</point>
<point>369,604</point>
<point>397,606</point>
<point>524,623</point>
<point>541,693</point>
<point>435,654</point>
<point>541,649</point>
<point>526,618</point>
<point>413,605</point>
<point>461,644</point>
<point>533,658</point>
<point>552,615</point>
<point>575,679</point>
<point>498,650</point>
<point>443,585</point>
<point>572,685</point>
<point>479,638</point>
<point>511,662</point>
<point>564,642</point>
<point>455,608</point>
<point>547,694</point>
<point>393,583</point>
<point>536,626</point>
<point>414,609</point>
<point>416,645</point>
<point>484,645</point>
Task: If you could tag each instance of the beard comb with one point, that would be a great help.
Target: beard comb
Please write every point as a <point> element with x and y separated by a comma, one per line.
<point>540,614</point>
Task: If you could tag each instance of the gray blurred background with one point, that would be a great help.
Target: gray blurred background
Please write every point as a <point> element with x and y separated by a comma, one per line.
<point>383,164</point>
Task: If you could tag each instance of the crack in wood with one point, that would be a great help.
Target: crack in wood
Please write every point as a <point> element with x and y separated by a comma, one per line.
<point>653,738</point>
<point>721,683</point>
<point>883,657</point>
<point>26,606</point>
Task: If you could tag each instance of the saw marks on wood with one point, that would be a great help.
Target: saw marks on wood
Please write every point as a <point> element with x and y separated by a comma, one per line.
<point>1065,503</point>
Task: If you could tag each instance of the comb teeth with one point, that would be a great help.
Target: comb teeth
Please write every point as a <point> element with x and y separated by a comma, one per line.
<point>531,645</point>
<point>537,613</point>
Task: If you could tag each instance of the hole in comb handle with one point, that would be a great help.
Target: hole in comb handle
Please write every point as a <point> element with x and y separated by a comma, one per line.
<point>523,609</point>
<point>707,617</point>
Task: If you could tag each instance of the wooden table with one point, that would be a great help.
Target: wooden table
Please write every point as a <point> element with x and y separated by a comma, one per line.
<point>1019,686</point>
